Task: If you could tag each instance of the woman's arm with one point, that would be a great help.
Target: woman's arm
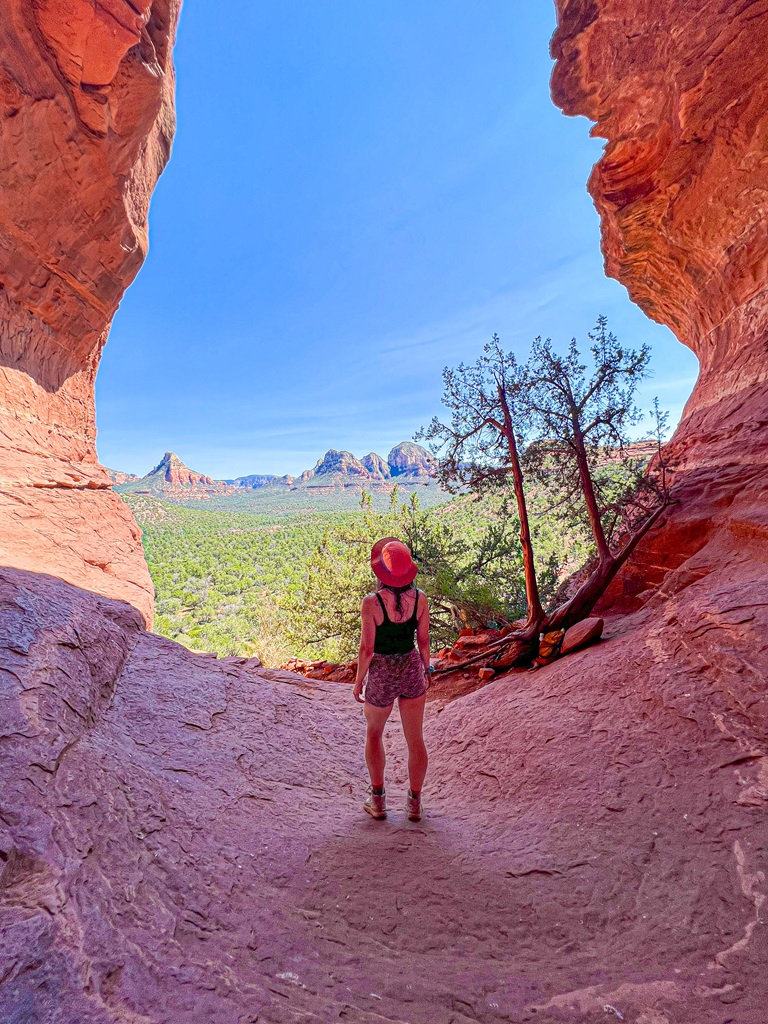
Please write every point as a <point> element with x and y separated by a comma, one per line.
<point>367,639</point>
<point>422,630</point>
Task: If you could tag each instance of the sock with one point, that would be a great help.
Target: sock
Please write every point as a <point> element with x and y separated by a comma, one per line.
<point>378,790</point>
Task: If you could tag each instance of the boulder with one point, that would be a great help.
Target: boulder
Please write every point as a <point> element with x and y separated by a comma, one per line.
<point>469,643</point>
<point>581,635</point>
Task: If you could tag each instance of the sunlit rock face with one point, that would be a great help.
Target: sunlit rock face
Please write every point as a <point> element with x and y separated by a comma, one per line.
<point>86,122</point>
<point>680,91</point>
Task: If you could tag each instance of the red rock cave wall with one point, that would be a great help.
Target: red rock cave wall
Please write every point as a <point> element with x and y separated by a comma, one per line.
<point>86,122</point>
<point>678,90</point>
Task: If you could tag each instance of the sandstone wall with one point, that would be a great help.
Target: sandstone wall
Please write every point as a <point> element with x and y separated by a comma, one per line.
<point>680,92</point>
<point>86,122</point>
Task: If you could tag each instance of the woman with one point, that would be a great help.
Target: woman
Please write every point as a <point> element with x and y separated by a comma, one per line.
<point>396,668</point>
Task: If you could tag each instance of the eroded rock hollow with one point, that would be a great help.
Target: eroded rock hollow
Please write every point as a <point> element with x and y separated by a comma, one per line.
<point>679,92</point>
<point>86,122</point>
<point>181,839</point>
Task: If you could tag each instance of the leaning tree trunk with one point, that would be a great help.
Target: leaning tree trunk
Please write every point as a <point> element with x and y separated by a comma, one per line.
<point>590,592</point>
<point>588,489</point>
<point>532,598</point>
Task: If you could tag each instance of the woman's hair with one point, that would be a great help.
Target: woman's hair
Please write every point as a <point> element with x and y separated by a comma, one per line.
<point>397,591</point>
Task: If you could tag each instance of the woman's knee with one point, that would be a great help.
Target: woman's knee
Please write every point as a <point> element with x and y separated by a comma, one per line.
<point>374,734</point>
<point>417,747</point>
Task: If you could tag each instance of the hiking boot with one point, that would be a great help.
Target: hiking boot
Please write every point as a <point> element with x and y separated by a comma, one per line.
<point>413,807</point>
<point>376,804</point>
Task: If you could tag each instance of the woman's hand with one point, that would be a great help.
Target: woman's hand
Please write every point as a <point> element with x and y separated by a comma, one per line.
<point>357,692</point>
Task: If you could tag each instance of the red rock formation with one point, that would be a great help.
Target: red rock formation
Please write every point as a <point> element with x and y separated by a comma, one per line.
<point>340,462</point>
<point>165,853</point>
<point>680,93</point>
<point>376,466</point>
<point>86,115</point>
<point>175,472</point>
<point>410,459</point>
<point>117,476</point>
<point>171,480</point>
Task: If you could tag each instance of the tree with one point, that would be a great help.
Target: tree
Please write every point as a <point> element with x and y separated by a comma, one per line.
<point>483,442</point>
<point>556,426</point>
<point>459,572</point>
<point>581,415</point>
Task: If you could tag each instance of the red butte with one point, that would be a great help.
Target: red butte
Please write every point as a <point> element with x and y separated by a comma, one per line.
<point>87,118</point>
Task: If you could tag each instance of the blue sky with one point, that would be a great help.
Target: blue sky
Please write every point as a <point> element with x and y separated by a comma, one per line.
<point>359,194</point>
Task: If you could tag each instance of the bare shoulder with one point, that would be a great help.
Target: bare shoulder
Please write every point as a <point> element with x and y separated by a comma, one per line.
<point>369,602</point>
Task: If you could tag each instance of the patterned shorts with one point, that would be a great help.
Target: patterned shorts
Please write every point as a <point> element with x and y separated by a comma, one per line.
<point>395,675</point>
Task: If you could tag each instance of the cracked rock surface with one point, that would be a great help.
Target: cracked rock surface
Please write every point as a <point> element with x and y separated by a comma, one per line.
<point>183,840</point>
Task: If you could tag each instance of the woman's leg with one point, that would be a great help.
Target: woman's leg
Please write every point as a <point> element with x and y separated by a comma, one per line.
<point>412,717</point>
<point>376,719</point>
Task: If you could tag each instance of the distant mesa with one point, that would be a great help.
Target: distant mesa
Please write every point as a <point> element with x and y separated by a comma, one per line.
<point>254,481</point>
<point>406,463</point>
<point>406,460</point>
<point>340,462</point>
<point>410,459</point>
<point>173,470</point>
<point>116,477</point>
<point>172,478</point>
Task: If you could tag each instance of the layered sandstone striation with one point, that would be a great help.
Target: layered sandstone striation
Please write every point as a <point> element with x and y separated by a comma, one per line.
<point>87,118</point>
<point>679,92</point>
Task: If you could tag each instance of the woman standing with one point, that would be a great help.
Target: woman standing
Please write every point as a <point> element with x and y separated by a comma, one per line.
<point>397,666</point>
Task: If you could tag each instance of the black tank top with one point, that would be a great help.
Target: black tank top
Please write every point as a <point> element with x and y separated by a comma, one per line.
<point>395,637</point>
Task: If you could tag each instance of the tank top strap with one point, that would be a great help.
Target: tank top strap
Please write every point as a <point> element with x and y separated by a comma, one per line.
<point>383,607</point>
<point>416,607</point>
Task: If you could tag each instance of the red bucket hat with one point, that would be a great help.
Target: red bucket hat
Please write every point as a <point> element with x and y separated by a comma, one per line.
<point>392,563</point>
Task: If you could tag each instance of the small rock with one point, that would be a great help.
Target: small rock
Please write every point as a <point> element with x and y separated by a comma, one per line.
<point>465,642</point>
<point>485,673</point>
<point>582,634</point>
